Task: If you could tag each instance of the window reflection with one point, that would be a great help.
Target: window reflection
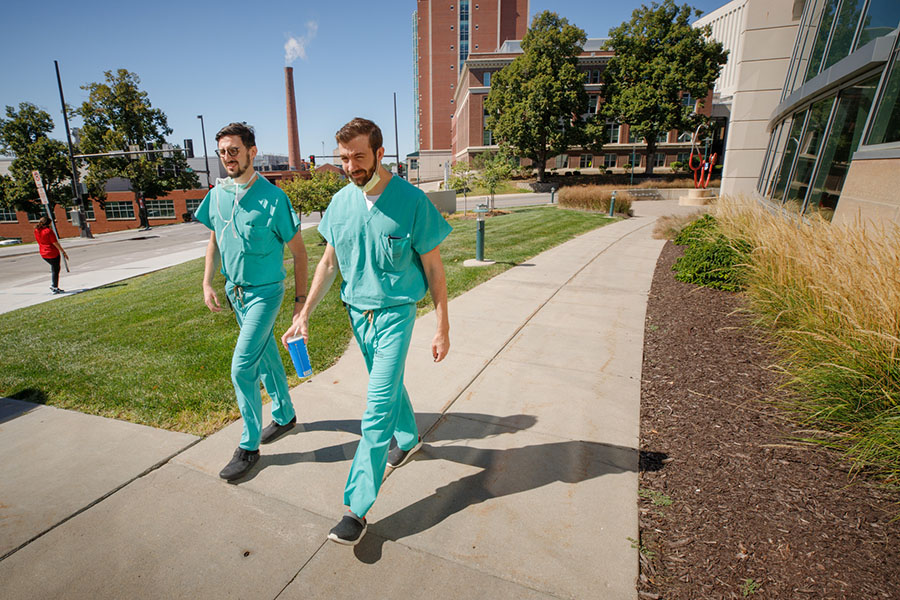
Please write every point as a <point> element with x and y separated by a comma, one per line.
<point>844,31</point>
<point>886,126</point>
<point>808,150</point>
<point>843,140</point>
<point>790,144</point>
<point>818,50</point>
<point>882,17</point>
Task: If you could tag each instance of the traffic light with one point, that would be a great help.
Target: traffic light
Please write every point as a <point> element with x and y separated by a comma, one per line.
<point>160,171</point>
<point>400,169</point>
<point>189,148</point>
<point>312,161</point>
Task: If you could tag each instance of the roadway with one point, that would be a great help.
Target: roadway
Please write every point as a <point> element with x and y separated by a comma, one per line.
<point>111,257</point>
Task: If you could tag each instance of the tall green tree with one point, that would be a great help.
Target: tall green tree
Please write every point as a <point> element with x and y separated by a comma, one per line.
<point>658,58</point>
<point>535,102</point>
<point>24,135</point>
<point>313,194</point>
<point>118,114</point>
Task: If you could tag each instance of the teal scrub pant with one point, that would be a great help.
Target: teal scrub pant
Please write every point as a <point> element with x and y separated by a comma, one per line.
<point>383,336</point>
<point>256,358</point>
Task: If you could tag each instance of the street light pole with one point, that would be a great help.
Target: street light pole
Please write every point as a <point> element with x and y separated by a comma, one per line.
<point>396,142</point>
<point>205,155</point>
<point>85,228</point>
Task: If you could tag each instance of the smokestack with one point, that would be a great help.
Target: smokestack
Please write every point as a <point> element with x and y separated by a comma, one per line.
<point>292,129</point>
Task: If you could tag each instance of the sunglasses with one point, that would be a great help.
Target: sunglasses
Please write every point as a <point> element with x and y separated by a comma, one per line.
<point>233,151</point>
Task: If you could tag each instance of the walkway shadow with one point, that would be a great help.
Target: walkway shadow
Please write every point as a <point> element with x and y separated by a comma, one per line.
<point>345,451</point>
<point>503,473</point>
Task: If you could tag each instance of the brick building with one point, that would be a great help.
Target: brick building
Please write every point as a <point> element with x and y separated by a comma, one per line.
<point>445,33</point>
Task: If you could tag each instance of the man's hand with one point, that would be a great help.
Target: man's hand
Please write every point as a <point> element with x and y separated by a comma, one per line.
<point>440,346</point>
<point>300,327</point>
<point>210,298</point>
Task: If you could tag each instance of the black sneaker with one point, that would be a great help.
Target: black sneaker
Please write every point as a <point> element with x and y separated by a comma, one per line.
<point>240,465</point>
<point>349,531</point>
<point>273,430</point>
<point>398,457</point>
<point>57,290</point>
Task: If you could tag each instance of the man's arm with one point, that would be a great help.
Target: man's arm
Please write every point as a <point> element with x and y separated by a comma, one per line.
<point>326,272</point>
<point>298,250</point>
<point>209,270</point>
<point>437,283</point>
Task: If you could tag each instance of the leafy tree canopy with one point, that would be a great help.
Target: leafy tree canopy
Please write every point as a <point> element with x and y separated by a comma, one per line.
<point>313,194</point>
<point>117,114</point>
<point>24,135</point>
<point>535,102</point>
<point>658,58</point>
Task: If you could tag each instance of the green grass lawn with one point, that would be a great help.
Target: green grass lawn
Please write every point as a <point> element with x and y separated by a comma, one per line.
<point>147,349</point>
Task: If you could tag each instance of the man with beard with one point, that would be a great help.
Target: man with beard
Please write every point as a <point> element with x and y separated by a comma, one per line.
<point>251,221</point>
<point>384,235</point>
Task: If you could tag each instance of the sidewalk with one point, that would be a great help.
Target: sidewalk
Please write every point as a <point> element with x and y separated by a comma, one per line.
<point>526,486</point>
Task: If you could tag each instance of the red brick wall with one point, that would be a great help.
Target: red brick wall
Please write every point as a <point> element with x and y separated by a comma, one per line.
<point>25,229</point>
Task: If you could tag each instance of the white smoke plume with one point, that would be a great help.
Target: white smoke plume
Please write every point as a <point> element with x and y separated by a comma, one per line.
<point>295,48</point>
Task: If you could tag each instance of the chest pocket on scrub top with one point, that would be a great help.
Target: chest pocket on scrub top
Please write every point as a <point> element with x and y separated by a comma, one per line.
<point>394,253</point>
<point>257,239</point>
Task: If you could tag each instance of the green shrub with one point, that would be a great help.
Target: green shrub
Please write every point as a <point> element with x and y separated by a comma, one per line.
<point>710,259</point>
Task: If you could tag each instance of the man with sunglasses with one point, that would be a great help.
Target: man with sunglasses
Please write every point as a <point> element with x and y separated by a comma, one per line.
<point>251,222</point>
<point>383,235</point>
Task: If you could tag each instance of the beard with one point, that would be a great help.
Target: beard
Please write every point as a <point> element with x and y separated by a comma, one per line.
<point>239,169</point>
<point>361,177</point>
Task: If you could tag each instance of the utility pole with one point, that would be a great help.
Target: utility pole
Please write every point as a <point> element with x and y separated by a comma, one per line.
<point>82,209</point>
<point>205,155</point>
<point>396,142</point>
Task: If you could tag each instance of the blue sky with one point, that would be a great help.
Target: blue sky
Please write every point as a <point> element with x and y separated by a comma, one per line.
<point>225,60</point>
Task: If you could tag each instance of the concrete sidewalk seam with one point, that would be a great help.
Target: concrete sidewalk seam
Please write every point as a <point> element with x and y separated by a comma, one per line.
<point>97,501</point>
<point>300,570</point>
<point>518,330</point>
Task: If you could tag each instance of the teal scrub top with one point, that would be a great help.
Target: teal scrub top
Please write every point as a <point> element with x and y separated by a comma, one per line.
<point>252,245</point>
<point>378,250</point>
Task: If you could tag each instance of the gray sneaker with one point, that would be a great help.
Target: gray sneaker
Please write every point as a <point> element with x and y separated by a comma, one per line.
<point>398,457</point>
<point>349,531</point>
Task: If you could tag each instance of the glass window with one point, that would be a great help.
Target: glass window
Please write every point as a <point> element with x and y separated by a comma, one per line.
<point>808,152</point>
<point>487,78</point>
<point>35,211</point>
<point>8,215</point>
<point>613,132</point>
<point>609,161</point>
<point>686,99</point>
<point>685,137</point>
<point>633,137</point>
<point>592,103</point>
<point>683,157</point>
<point>119,210</point>
<point>487,138</point>
<point>773,156</point>
<point>818,50</point>
<point>843,140</point>
<point>89,212</point>
<point>414,163</point>
<point>886,125</point>
<point>561,160</point>
<point>191,204</point>
<point>844,31</point>
<point>659,159</point>
<point>160,209</point>
<point>882,17</point>
<point>586,161</point>
<point>663,138</point>
<point>790,144</point>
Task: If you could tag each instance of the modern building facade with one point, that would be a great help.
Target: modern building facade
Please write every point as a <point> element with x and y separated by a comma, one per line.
<point>470,136</point>
<point>445,33</point>
<point>834,143</point>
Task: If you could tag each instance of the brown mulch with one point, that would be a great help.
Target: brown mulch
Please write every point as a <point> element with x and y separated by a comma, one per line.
<point>754,513</point>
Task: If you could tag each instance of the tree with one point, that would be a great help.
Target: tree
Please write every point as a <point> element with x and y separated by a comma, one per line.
<point>118,114</point>
<point>659,58</point>
<point>23,134</point>
<point>494,169</point>
<point>313,194</point>
<point>462,177</point>
<point>535,102</point>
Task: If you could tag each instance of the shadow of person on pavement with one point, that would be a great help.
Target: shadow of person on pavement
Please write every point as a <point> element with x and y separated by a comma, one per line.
<point>503,472</point>
<point>345,451</point>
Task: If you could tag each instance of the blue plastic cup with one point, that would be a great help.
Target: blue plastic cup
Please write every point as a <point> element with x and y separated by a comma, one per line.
<point>297,348</point>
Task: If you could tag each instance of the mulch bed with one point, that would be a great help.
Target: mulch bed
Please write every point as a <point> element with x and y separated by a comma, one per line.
<point>754,512</point>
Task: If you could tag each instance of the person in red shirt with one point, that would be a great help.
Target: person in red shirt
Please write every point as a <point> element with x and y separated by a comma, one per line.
<point>50,250</point>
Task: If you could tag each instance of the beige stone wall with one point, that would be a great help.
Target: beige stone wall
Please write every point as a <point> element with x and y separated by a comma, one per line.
<point>769,32</point>
<point>871,193</point>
